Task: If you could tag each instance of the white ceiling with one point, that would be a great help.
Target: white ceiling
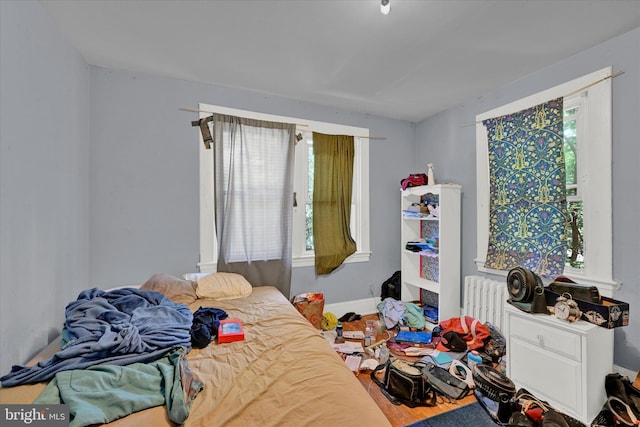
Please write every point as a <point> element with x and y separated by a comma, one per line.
<point>424,57</point>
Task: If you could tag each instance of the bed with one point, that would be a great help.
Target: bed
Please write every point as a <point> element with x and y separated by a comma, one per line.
<point>284,372</point>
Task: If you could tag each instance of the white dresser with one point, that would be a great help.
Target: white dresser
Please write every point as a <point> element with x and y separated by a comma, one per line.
<point>561,362</point>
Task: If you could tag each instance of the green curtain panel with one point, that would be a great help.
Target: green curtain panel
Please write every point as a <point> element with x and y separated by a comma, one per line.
<point>332,184</point>
<point>527,207</point>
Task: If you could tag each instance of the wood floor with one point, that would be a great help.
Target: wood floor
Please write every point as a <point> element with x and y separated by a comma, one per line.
<point>402,415</point>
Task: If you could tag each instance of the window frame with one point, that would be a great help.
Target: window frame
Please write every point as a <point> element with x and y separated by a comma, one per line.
<point>578,101</point>
<point>573,102</point>
<point>594,176</point>
<point>300,257</point>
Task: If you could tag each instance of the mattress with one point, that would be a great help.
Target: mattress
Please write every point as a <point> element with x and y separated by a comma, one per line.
<point>284,373</point>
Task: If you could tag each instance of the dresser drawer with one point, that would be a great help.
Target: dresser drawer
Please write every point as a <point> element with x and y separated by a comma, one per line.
<point>545,336</point>
<point>546,372</point>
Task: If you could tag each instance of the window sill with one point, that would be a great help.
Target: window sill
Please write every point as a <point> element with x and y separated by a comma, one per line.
<point>300,261</point>
<point>606,287</point>
<point>309,260</point>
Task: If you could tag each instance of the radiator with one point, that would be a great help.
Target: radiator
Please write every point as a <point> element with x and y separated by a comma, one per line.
<point>484,299</point>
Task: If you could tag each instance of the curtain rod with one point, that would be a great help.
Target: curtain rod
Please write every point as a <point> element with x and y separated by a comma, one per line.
<point>610,76</point>
<point>195,110</point>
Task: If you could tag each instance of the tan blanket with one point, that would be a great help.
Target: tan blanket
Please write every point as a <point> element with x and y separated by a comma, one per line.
<point>283,374</point>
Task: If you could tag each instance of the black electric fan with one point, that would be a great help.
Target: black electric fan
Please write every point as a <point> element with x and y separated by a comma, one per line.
<point>494,391</point>
<point>526,291</point>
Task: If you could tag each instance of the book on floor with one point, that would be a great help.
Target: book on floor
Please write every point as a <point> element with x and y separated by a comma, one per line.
<point>418,337</point>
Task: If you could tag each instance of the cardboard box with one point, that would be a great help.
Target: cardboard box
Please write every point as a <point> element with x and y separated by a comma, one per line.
<point>230,330</point>
<point>610,313</point>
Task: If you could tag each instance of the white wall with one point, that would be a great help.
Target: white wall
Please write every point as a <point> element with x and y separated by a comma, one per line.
<point>44,179</point>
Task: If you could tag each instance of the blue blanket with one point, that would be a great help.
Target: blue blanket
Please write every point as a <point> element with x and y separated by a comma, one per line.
<point>119,327</point>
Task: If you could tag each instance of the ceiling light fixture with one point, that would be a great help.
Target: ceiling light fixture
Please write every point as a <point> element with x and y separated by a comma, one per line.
<point>385,7</point>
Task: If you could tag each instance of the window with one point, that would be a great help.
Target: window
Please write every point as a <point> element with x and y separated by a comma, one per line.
<point>573,134</point>
<point>302,244</point>
<point>587,153</point>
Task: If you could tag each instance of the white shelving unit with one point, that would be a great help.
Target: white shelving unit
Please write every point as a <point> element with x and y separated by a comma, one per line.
<point>438,272</point>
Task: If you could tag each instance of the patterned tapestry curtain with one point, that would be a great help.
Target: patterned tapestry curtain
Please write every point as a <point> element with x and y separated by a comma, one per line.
<point>527,206</point>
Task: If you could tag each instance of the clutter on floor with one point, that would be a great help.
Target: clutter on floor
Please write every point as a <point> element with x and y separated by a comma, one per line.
<point>456,358</point>
<point>623,400</point>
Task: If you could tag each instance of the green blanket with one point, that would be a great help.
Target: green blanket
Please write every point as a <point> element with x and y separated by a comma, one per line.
<point>103,393</point>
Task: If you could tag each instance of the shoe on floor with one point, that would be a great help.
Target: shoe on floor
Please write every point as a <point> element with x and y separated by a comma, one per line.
<point>603,419</point>
<point>350,317</point>
<point>622,414</point>
<point>634,396</point>
<point>554,419</point>
<point>518,419</point>
<point>621,388</point>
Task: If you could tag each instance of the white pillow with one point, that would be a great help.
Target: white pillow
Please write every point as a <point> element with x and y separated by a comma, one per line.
<point>194,276</point>
<point>223,286</point>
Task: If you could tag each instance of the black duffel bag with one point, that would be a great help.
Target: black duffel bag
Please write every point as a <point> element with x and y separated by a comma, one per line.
<point>404,384</point>
<point>444,382</point>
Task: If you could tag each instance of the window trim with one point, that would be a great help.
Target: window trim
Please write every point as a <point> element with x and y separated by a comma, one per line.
<point>597,158</point>
<point>579,101</point>
<point>208,238</point>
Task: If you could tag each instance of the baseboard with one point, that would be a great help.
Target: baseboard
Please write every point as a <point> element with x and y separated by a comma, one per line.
<point>361,306</point>
<point>625,372</point>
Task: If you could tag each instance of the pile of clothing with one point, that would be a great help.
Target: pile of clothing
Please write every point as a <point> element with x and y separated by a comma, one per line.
<point>460,334</point>
<point>398,314</point>
<point>126,344</point>
<point>457,334</point>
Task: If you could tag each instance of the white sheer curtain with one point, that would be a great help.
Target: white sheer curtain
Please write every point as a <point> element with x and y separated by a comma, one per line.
<point>253,162</point>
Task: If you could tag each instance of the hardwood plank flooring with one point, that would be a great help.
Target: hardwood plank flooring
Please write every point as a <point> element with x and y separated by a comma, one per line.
<point>401,415</point>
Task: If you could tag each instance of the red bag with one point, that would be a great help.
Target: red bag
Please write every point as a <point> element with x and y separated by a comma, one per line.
<point>469,329</point>
<point>414,180</point>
